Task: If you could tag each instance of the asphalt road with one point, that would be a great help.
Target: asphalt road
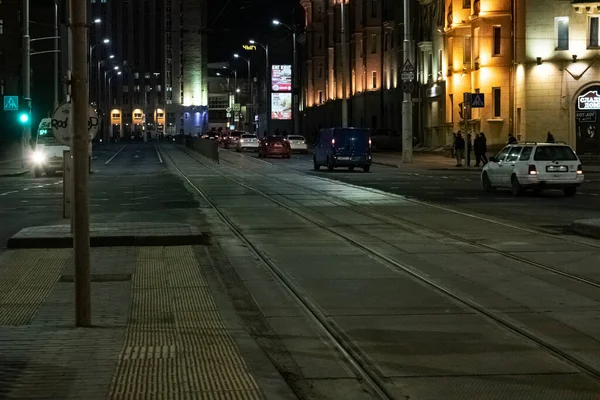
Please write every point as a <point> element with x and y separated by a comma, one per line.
<point>129,183</point>
<point>461,190</point>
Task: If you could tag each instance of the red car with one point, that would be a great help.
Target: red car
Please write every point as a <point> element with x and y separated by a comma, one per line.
<point>274,146</point>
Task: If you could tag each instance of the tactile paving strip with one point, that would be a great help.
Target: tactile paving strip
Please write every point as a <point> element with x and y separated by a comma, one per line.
<point>176,345</point>
<point>26,279</point>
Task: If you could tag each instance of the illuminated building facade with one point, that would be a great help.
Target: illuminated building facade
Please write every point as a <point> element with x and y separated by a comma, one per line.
<point>373,41</point>
<point>160,48</point>
<point>557,76</point>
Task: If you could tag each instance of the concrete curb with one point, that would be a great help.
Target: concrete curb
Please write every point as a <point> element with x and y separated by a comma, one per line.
<point>63,242</point>
<point>386,164</point>
<point>587,227</point>
<point>11,174</point>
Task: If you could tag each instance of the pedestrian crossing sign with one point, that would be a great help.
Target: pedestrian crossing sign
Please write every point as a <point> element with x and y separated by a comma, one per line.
<point>11,103</point>
<point>477,100</point>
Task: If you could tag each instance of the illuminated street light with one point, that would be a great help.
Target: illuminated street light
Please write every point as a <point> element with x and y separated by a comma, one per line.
<point>97,21</point>
<point>111,56</point>
<point>276,22</point>
<point>236,56</point>
<point>116,67</point>
<point>106,41</point>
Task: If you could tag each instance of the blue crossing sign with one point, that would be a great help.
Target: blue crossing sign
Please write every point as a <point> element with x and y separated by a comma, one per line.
<point>477,100</point>
<point>11,103</point>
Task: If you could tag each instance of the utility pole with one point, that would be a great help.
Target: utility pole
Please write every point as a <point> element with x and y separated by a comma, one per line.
<point>407,117</point>
<point>56,54</point>
<point>295,96</point>
<point>26,73</point>
<point>81,216</point>
<point>344,100</point>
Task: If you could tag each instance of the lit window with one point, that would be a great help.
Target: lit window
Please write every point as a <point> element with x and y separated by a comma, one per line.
<point>466,3</point>
<point>476,33</point>
<point>497,101</point>
<point>561,32</point>
<point>594,32</point>
<point>497,41</point>
<point>374,80</point>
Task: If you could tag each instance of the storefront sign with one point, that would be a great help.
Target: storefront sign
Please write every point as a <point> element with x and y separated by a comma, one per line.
<point>586,116</point>
<point>589,101</point>
<point>281,78</point>
<point>281,106</point>
<point>249,47</point>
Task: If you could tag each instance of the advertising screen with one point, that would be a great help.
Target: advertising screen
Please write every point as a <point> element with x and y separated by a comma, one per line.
<point>281,78</point>
<point>281,106</point>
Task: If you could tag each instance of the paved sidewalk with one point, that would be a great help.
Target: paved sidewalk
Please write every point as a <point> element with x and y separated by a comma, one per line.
<point>12,168</point>
<point>422,161</point>
<point>157,330</point>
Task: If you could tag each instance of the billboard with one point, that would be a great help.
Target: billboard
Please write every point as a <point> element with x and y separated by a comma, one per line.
<point>281,78</point>
<point>281,106</point>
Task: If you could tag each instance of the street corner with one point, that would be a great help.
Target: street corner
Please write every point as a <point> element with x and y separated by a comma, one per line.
<point>587,227</point>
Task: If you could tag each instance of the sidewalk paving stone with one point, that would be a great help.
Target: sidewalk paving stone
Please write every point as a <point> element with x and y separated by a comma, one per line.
<point>156,334</point>
<point>114,234</point>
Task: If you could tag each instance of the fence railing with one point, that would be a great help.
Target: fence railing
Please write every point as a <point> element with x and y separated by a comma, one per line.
<point>208,148</point>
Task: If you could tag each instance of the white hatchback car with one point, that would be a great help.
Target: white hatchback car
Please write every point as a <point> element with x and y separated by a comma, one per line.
<point>248,141</point>
<point>534,166</point>
<point>298,143</point>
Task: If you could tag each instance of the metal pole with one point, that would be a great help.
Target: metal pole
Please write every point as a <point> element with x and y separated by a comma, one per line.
<point>56,47</point>
<point>26,72</point>
<point>295,89</point>
<point>407,122</point>
<point>343,67</point>
<point>81,217</point>
<point>267,86</point>
<point>99,87</point>
<point>251,93</point>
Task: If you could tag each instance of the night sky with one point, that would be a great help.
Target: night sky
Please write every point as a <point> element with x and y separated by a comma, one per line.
<point>232,22</point>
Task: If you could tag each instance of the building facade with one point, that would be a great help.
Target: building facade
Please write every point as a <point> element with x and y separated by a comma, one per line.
<point>160,49</point>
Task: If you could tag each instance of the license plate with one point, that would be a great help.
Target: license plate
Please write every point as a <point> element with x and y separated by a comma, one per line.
<point>343,158</point>
<point>557,168</point>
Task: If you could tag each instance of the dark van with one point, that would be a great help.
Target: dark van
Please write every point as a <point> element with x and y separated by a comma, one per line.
<point>343,147</point>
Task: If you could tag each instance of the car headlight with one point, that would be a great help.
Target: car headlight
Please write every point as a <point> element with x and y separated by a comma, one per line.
<point>39,157</point>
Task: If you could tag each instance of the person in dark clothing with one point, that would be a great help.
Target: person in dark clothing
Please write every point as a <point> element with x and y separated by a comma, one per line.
<point>483,144</point>
<point>477,149</point>
<point>469,149</point>
<point>550,138</point>
<point>459,148</point>
<point>512,139</point>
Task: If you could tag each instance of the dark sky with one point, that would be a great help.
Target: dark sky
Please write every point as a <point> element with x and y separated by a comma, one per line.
<point>233,22</point>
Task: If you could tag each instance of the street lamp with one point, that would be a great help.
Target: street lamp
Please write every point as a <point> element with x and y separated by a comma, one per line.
<point>295,107</point>
<point>99,91</point>
<point>92,47</point>
<point>97,21</point>
<point>249,79</point>
<point>267,81</point>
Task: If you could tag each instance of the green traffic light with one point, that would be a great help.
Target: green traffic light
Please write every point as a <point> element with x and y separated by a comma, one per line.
<point>24,118</point>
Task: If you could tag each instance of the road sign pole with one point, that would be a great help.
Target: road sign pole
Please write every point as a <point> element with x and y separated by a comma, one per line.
<point>407,116</point>
<point>26,76</point>
<point>81,217</point>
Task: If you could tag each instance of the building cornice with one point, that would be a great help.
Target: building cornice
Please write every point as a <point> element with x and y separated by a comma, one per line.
<point>586,7</point>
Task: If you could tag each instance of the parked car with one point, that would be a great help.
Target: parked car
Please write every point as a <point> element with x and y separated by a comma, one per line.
<point>248,141</point>
<point>298,144</point>
<point>386,140</point>
<point>274,146</point>
<point>536,166</point>
<point>233,139</point>
<point>343,147</point>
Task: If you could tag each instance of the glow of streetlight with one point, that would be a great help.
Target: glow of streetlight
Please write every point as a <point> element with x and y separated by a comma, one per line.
<point>111,56</point>
<point>119,73</point>
<point>276,22</point>
<point>116,67</point>
<point>236,56</point>
<point>237,90</point>
<point>251,41</point>
<point>106,41</point>
<point>218,74</point>
<point>97,21</point>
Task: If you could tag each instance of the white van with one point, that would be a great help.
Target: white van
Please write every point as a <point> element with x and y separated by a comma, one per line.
<point>48,153</point>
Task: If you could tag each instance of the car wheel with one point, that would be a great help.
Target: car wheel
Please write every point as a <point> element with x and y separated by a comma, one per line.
<point>329,164</point>
<point>316,166</point>
<point>570,191</point>
<point>366,168</point>
<point>515,186</point>
<point>351,168</point>
<point>486,183</point>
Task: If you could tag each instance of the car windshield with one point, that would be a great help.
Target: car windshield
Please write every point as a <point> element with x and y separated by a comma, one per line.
<point>296,137</point>
<point>554,153</point>
<point>351,137</point>
<point>235,134</point>
<point>47,138</point>
<point>248,136</point>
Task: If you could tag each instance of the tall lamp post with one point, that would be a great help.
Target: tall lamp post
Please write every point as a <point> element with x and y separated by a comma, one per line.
<point>236,89</point>
<point>249,82</point>
<point>295,108</point>
<point>92,47</point>
<point>107,84</point>
<point>267,82</point>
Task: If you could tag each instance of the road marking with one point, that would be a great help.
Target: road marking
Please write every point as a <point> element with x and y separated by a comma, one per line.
<point>130,204</point>
<point>116,154</point>
<point>467,198</point>
<point>158,154</point>
<point>430,187</point>
<point>593,194</point>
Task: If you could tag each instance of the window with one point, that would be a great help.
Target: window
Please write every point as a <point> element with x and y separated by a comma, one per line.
<point>467,50</point>
<point>320,97</point>
<point>374,8</point>
<point>116,115</point>
<point>320,70</point>
<point>392,77</point>
<point>554,153</point>
<point>526,153</point>
<point>1,86</point>
<point>320,42</point>
<point>451,108</point>
<point>1,26</point>
<point>594,32</point>
<point>374,80</point>
<point>561,32</point>
<point>440,61</point>
<point>430,66</point>
<point>497,101</point>
<point>125,89</point>
<point>450,52</point>
<point>373,44</point>
<point>496,51</point>
<point>502,154</point>
<point>476,33</point>
<point>136,75</point>
<point>513,154</point>
<point>466,3</point>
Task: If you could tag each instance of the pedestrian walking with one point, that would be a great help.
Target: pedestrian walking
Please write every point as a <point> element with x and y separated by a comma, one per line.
<point>512,139</point>
<point>483,143</point>
<point>469,149</point>
<point>550,138</point>
<point>459,148</point>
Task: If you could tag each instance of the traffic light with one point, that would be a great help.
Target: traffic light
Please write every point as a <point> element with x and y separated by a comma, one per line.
<point>24,117</point>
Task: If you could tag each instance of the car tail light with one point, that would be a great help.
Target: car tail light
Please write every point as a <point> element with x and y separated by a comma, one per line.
<point>579,170</point>
<point>532,170</point>
<point>333,141</point>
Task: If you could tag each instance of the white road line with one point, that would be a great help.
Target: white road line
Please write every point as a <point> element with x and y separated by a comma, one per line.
<point>116,154</point>
<point>158,154</point>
